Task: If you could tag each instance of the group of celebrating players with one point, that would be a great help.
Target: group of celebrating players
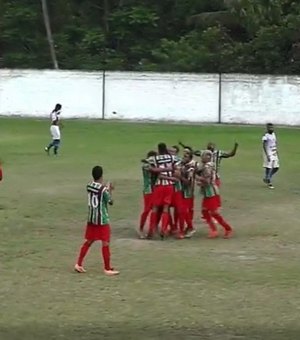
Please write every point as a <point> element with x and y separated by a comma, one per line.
<point>169,188</point>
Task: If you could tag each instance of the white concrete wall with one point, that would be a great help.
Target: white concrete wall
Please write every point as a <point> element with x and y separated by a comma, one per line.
<point>154,96</point>
<point>245,99</point>
<point>250,99</point>
<point>35,93</point>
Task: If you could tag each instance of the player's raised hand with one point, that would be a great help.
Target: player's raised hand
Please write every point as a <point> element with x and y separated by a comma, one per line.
<point>110,186</point>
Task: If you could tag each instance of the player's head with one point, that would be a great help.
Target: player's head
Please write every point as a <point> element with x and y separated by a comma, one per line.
<point>57,107</point>
<point>270,127</point>
<point>162,149</point>
<point>187,150</point>
<point>206,156</point>
<point>151,153</point>
<point>176,149</point>
<point>211,146</point>
<point>97,173</point>
<point>187,156</point>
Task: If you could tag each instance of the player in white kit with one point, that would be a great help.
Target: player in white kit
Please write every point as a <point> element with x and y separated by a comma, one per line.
<point>270,155</point>
<point>54,130</point>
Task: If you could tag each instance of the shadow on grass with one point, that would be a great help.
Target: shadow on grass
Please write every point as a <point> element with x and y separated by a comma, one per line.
<point>130,332</point>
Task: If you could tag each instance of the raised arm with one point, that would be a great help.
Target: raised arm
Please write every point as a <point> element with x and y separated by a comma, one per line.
<point>232,153</point>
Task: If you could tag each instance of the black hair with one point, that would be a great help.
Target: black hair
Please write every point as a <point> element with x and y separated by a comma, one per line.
<point>151,153</point>
<point>176,147</point>
<point>97,172</point>
<point>162,148</point>
<point>269,124</point>
<point>57,107</point>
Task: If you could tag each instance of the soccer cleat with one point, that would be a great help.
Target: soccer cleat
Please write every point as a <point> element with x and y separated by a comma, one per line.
<point>190,233</point>
<point>111,272</point>
<point>47,150</point>
<point>213,234</point>
<point>79,269</point>
<point>180,236</point>
<point>271,186</point>
<point>228,234</point>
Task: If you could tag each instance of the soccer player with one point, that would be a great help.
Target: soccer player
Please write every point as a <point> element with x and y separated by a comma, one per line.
<point>218,155</point>
<point>206,179</point>
<point>270,153</point>
<point>97,228</point>
<point>163,166</point>
<point>188,172</point>
<point>54,130</point>
<point>148,181</point>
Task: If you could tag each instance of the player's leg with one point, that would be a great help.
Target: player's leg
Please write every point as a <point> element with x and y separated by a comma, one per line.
<point>50,145</point>
<point>105,250</point>
<point>155,212</point>
<point>56,146</point>
<point>146,211</point>
<point>213,233</point>
<point>189,207</point>
<point>210,204</point>
<point>82,253</point>
<point>274,170</point>
<point>215,214</point>
<point>167,193</point>
<point>180,208</point>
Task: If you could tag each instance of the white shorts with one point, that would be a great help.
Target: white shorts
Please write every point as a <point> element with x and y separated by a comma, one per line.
<point>55,132</point>
<point>274,162</point>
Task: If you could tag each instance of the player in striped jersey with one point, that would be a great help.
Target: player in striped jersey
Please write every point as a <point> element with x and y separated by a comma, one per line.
<point>163,166</point>
<point>206,179</point>
<point>188,181</point>
<point>54,130</point>
<point>97,228</point>
<point>148,183</point>
<point>218,155</point>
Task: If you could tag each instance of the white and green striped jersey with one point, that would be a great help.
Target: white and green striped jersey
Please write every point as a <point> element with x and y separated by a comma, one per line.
<point>98,199</point>
<point>216,159</point>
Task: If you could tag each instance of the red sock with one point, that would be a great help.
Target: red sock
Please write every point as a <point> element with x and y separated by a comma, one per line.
<point>164,222</point>
<point>83,251</point>
<point>222,222</point>
<point>176,219</point>
<point>153,222</point>
<point>106,257</point>
<point>209,221</point>
<point>143,219</point>
<point>181,220</point>
<point>188,220</point>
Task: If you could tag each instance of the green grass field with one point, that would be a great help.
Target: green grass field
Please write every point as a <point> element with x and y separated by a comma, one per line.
<point>243,288</point>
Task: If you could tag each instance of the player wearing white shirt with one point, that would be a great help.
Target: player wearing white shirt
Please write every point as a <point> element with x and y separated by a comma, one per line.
<point>270,155</point>
<point>54,130</point>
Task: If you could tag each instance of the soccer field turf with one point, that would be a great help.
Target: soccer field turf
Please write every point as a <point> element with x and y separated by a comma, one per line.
<point>243,288</point>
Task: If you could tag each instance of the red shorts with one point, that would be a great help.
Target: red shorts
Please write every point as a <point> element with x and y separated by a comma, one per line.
<point>218,182</point>
<point>211,203</point>
<point>148,202</point>
<point>162,195</point>
<point>96,232</point>
<point>177,200</point>
<point>189,203</point>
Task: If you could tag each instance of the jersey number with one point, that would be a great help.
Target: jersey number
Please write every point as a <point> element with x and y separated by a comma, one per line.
<point>93,201</point>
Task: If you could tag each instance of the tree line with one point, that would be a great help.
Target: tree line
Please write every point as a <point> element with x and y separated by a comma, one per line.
<point>245,36</point>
